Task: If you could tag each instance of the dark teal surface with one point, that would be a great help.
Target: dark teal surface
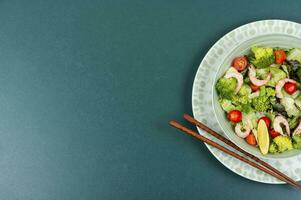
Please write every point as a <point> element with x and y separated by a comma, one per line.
<point>87,88</point>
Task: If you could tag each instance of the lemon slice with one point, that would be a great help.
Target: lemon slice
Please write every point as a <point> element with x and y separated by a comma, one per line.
<point>263,137</point>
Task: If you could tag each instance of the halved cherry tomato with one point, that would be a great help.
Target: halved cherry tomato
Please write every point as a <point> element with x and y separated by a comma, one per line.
<point>250,139</point>
<point>254,87</point>
<point>240,63</point>
<point>274,133</point>
<point>235,116</point>
<point>290,88</point>
<point>279,56</point>
<point>266,120</point>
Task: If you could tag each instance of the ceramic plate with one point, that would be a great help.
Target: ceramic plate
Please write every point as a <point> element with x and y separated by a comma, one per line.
<point>202,93</point>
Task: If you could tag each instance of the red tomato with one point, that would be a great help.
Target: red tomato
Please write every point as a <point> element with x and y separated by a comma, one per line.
<point>240,63</point>
<point>250,139</point>
<point>290,88</point>
<point>266,120</point>
<point>235,116</point>
<point>274,133</point>
<point>279,56</point>
<point>254,87</point>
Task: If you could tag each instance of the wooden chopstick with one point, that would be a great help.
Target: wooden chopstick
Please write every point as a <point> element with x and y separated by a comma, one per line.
<point>232,153</point>
<point>228,142</point>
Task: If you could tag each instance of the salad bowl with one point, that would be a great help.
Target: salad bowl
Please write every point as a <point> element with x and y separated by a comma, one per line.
<point>205,105</point>
<point>269,40</point>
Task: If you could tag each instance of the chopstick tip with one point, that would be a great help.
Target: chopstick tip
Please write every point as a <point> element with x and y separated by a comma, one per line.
<point>172,122</point>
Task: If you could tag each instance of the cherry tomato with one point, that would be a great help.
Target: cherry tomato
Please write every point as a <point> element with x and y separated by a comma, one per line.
<point>274,133</point>
<point>250,139</point>
<point>279,56</point>
<point>266,120</point>
<point>290,88</point>
<point>254,87</point>
<point>235,116</point>
<point>240,63</point>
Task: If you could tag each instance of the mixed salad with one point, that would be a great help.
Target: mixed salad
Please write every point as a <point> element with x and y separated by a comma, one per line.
<point>260,93</point>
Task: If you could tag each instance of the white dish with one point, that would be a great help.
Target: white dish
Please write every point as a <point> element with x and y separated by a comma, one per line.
<point>265,33</point>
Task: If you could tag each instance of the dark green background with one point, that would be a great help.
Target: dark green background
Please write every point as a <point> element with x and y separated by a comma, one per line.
<point>87,88</point>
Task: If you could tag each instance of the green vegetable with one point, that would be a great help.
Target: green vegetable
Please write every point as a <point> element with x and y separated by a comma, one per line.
<point>286,69</point>
<point>298,101</point>
<point>245,90</point>
<point>273,148</point>
<point>298,73</point>
<point>262,102</point>
<point>226,87</point>
<point>227,105</point>
<point>247,81</point>
<point>293,122</point>
<point>297,141</point>
<point>271,116</point>
<point>277,75</point>
<point>250,116</point>
<point>237,100</point>
<point>262,57</point>
<point>293,67</point>
<point>290,107</point>
<point>294,54</point>
<point>283,143</point>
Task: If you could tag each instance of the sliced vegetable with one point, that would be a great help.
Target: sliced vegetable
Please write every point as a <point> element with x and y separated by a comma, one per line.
<point>254,88</point>
<point>279,56</point>
<point>240,63</point>
<point>250,139</point>
<point>263,137</point>
<point>235,116</point>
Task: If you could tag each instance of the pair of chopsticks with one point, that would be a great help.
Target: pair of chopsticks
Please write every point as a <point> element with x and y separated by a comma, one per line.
<point>259,164</point>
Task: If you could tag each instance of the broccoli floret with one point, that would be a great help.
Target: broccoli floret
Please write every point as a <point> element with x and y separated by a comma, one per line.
<point>246,108</point>
<point>283,143</point>
<point>261,103</point>
<point>273,148</point>
<point>237,100</point>
<point>270,92</point>
<point>226,87</point>
<point>262,57</point>
<point>297,141</point>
